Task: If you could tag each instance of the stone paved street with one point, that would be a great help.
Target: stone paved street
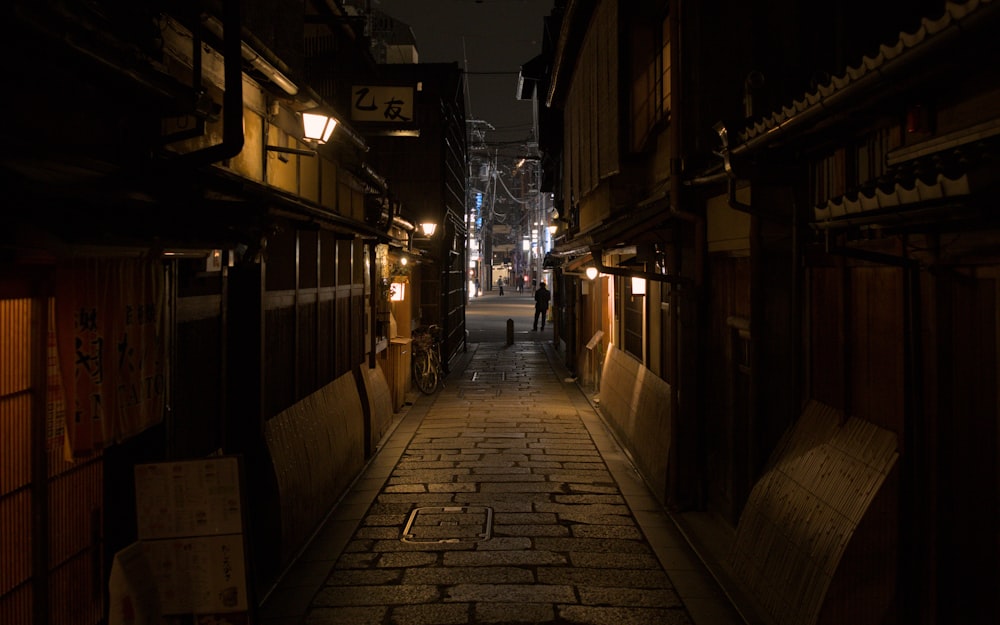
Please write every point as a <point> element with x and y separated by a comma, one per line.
<point>501,499</point>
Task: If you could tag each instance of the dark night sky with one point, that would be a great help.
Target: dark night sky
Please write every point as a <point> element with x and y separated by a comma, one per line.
<point>491,39</point>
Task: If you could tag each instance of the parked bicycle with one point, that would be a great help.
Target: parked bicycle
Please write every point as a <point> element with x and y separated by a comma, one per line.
<point>426,363</point>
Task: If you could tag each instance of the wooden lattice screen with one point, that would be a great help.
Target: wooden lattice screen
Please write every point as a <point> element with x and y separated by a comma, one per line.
<point>50,508</point>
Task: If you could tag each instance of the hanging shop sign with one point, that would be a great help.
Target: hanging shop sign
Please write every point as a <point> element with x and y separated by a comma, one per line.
<point>383,104</point>
<point>110,338</point>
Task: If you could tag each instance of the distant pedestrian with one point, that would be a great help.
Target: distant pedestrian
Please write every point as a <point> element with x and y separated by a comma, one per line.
<point>541,304</point>
<point>500,285</point>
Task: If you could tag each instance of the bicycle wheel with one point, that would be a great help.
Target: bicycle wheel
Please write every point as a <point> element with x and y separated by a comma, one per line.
<point>417,364</point>
<point>425,374</point>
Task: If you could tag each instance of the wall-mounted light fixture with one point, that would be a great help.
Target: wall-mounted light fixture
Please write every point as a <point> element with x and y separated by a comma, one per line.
<point>398,292</point>
<point>552,230</point>
<point>317,126</point>
<point>428,228</point>
<point>591,273</point>
<point>638,286</point>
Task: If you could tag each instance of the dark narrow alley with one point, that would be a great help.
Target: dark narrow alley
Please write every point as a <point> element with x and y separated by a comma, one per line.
<point>500,499</point>
<point>274,351</point>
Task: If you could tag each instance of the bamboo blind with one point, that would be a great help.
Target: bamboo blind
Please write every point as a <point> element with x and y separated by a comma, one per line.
<point>802,513</point>
<point>592,127</point>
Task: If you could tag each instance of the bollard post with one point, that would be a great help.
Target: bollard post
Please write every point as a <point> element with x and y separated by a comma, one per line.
<point>510,331</point>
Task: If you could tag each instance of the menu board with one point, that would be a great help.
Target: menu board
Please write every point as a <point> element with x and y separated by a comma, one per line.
<point>188,498</point>
<point>191,544</point>
<point>204,575</point>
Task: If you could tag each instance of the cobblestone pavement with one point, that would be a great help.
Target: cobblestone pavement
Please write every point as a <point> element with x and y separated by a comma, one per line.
<point>499,500</point>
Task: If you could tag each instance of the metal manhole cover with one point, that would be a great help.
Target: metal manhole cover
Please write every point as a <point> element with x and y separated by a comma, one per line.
<point>449,524</point>
<point>479,391</point>
<point>489,376</point>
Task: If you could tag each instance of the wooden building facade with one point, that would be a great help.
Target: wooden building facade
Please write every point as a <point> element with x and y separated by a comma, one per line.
<point>809,380</point>
<point>183,275</point>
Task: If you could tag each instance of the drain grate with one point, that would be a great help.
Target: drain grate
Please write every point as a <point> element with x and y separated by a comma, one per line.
<point>449,524</point>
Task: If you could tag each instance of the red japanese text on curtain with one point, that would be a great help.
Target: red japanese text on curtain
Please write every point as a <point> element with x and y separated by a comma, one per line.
<point>109,315</point>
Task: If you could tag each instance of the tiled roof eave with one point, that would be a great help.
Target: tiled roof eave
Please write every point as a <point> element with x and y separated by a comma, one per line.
<point>869,71</point>
<point>958,175</point>
<point>894,198</point>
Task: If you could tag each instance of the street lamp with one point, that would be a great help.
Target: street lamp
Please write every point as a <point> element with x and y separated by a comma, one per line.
<point>317,126</point>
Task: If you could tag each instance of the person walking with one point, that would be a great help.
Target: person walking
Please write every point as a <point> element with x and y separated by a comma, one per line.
<point>500,285</point>
<point>541,304</point>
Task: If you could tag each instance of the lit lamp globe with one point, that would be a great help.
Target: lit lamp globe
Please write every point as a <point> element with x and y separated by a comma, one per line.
<point>317,127</point>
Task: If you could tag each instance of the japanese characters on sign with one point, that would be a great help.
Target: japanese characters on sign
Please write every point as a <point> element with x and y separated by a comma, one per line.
<point>110,338</point>
<point>189,564</point>
<point>385,104</point>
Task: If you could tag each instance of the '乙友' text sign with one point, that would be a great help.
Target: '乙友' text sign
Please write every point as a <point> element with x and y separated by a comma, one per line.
<point>385,104</point>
